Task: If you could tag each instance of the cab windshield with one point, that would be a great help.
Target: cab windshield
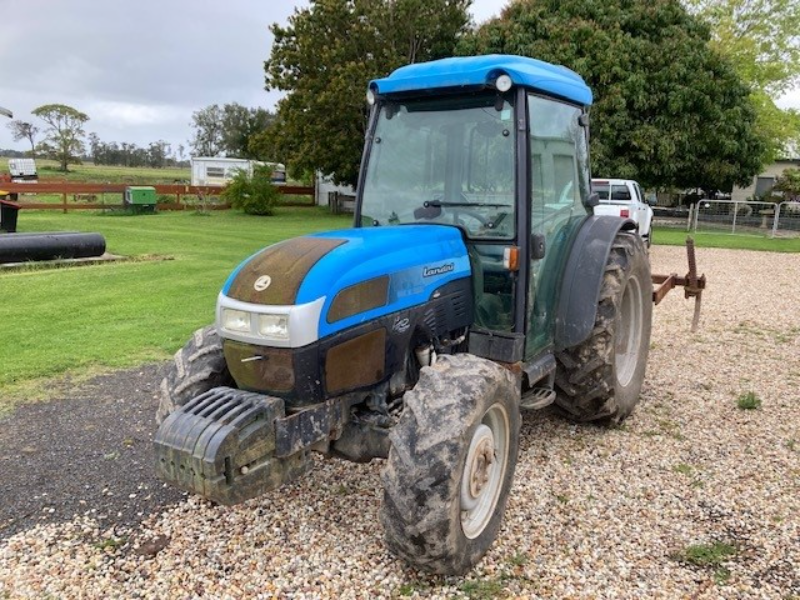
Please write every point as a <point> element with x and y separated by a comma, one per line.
<point>448,161</point>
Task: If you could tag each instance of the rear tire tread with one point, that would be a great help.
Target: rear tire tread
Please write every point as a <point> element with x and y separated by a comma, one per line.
<point>586,376</point>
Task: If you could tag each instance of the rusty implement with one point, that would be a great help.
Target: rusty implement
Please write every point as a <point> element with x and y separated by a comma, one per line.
<point>692,285</point>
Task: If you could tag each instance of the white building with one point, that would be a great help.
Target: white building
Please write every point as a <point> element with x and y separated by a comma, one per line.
<point>763,182</point>
<point>325,187</point>
<point>216,171</point>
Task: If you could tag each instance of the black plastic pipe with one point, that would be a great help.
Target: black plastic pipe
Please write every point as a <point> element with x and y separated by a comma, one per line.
<point>22,247</point>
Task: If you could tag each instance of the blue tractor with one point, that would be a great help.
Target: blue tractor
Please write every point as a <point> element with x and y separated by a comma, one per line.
<point>475,283</point>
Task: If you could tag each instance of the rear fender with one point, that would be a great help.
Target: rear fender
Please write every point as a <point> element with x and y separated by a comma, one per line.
<point>583,277</point>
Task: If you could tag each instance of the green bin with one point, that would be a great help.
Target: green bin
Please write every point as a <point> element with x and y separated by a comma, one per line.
<point>140,199</point>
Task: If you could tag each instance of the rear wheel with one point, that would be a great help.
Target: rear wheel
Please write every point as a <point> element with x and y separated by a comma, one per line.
<point>451,464</point>
<point>601,378</point>
<point>197,367</point>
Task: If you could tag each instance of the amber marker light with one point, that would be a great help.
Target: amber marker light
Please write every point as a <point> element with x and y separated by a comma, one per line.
<point>511,258</point>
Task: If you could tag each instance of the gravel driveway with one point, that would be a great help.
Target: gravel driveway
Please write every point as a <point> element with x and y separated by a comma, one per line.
<point>692,498</point>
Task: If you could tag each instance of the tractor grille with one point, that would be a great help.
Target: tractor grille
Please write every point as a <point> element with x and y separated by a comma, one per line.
<point>447,313</point>
<point>260,367</point>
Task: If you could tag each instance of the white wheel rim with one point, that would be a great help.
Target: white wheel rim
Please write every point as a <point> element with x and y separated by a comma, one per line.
<point>629,332</point>
<point>484,471</point>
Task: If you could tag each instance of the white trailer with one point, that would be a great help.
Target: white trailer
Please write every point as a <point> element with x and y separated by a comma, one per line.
<point>215,171</point>
<point>22,170</point>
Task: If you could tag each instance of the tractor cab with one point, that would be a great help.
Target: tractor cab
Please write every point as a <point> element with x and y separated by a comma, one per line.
<point>503,156</point>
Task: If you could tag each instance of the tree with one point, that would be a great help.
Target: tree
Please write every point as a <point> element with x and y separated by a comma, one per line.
<point>21,130</point>
<point>157,153</point>
<point>227,130</point>
<point>64,132</point>
<point>96,148</point>
<point>207,123</point>
<point>239,125</point>
<point>325,57</point>
<point>668,111</point>
<point>761,38</point>
<point>789,184</point>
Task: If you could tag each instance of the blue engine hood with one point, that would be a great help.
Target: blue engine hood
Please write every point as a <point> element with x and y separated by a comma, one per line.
<point>418,259</point>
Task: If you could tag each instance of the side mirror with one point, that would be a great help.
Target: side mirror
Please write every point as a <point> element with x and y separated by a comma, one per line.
<point>537,246</point>
<point>652,201</point>
<point>593,200</point>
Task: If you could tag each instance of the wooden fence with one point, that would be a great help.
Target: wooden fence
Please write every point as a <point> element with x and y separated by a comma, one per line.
<point>85,195</point>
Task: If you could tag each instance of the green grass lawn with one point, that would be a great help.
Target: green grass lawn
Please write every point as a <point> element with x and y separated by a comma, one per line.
<point>48,171</point>
<point>677,237</point>
<point>81,319</point>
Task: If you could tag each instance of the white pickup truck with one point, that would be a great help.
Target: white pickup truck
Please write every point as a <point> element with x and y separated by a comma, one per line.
<point>624,198</point>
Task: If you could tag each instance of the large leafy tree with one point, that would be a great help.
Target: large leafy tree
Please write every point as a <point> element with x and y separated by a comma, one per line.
<point>227,130</point>
<point>325,57</point>
<point>240,125</point>
<point>64,133</point>
<point>669,111</point>
<point>761,39</point>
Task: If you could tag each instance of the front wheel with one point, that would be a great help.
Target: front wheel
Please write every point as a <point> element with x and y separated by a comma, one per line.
<point>196,368</point>
<point>451,464</point>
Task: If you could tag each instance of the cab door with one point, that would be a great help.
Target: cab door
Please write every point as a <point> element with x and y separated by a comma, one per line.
<point>559,173</point>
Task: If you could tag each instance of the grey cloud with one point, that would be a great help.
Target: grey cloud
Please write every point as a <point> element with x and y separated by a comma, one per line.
<point>140,68</point>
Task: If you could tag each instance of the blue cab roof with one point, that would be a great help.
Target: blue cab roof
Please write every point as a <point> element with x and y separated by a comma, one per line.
<point>481,70</point>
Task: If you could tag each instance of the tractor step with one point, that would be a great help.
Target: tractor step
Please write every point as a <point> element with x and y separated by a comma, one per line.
<point>537,398</point>
<point>222,445</point>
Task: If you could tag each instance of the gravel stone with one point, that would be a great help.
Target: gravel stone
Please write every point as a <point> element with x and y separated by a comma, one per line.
<point>594,513</point>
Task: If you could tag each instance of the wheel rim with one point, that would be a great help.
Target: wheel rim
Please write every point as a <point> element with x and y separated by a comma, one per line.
<point>629,332</point>
<point>484,471</point>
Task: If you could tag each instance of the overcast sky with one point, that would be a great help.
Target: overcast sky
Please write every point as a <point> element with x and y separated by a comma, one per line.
<point>139,69</point>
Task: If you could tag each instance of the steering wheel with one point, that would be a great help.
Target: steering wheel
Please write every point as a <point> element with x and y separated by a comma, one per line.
<point>458,211</point>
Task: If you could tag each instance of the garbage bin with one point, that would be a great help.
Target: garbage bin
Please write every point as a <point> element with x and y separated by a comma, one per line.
<point>8,214</point>
<point>140,198</point>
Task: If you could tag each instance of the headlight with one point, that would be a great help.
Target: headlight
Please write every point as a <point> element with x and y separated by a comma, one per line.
<point>235,320</point>
<point>274,326</point>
